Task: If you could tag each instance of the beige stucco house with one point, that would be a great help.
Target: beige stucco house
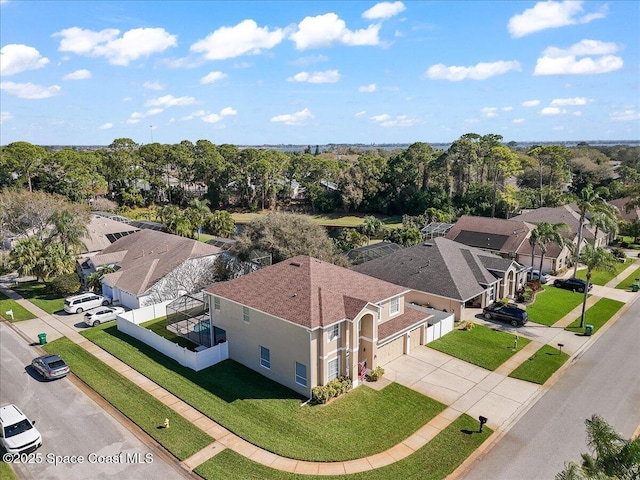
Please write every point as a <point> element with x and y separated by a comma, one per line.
<point>303,322</point>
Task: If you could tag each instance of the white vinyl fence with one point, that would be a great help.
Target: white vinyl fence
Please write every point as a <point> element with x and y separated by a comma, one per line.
<point>439,329</point>
<point>128,323</point>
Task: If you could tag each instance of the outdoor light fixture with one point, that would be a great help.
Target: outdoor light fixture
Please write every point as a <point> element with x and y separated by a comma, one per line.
<point>560,345</point>
<point>483,420</point>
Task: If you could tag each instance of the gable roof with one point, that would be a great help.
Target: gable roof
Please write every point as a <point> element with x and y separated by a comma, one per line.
<point>146,256</point>
<point>441,267</point>
<point>103,232</point>
<point>565,214</point>
<point>306,291</point>
<point>498,234</point>
<point>627,216</point>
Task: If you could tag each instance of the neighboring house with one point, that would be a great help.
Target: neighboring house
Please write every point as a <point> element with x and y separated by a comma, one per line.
<point>509,239</point>
<point>631,215</point>
<point>303,322</point>
<point>152,267</point>
<point>103,232</point>
<point>448,275</point>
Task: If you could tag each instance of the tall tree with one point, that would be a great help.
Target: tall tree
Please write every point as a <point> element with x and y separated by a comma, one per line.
<point>504,163</point>
<point>197,214</point>
<point>590,200</point>
<point>551,163</point>
<point>547,234</point>
<point>595,258</point>
<point>26,159</point>
<point>220,224</point>
<point>69,228</point>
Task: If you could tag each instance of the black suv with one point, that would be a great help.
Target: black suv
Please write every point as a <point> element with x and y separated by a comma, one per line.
<point>573,284</point>
<point>508,313</point>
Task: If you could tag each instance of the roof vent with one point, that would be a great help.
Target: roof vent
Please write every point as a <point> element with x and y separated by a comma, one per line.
<point>294,264</point>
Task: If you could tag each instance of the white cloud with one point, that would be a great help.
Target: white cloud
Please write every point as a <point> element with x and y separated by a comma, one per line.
<point>212,118</point>
<point>384,10</point>
<point>328,29</point>
<point>328,76</point>
<point>368,88</point>
<point>127,99</point>
<point>551,14</point>
<point>563,102</point>
<point>625,115</point>
<point>360,114</point>
<point>134,118</point>
<point>310,60</point>
<point>552,111</point>
<point>154,111</point>
<point>78,75</point>
<point>132,45</point>
<point>597,59</point>
<point>380,118</point>
<point>170,101</point>
<point>507,109</point>
<point>296,119</point>
<point>530,103</point>
<point>481,71</point>
<point>242,39</point>
<point>15,58</point>
<point>105,126</point>
<point>153,86</point>
<point>386,120</point>
<point>228,111</point>
<point>5,117</point>
<point>578,113</point>
<point>212,77</point>
<point>489,112</point>
<point>518,120</point>
<point>29,90</point>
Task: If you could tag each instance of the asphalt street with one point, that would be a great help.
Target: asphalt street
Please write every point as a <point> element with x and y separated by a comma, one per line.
<point>605,380</point>
<point>73,425</point>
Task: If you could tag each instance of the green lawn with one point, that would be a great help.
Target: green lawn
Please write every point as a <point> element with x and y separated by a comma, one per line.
<point>481,346</point>
<point>361,423</point>
<point>6,472</point>
<point>159,326</point>
<point>601,277</point>
<point>182,439</point>
<point>36,293</point>
<point>19,312</point>
<point>627,282</point>
<point>434,461</point>
<point>541,365</point>
<point>597,315</point>
<point>552,304</point>
<point>331,219</point>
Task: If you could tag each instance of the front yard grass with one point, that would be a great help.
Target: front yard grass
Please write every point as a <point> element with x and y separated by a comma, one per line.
<point>19,312</point>
<point>597,315</point>
<point>6,472</point>
<point>628,282</point>
<point>434,461</point>
<point>602,277</point>
<point>541,365</point>
<point>267,414</point>
<point>36,293</point>
<point>183,439</point>
<point>482,346</point>
<point>158,326</point>
<point>552,304</point>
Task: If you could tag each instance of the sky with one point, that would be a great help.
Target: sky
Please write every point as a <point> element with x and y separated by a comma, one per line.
<point>301,72</point>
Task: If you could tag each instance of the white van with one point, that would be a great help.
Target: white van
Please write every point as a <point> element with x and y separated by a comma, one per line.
<point>17,433</point>
<point>84,301</point>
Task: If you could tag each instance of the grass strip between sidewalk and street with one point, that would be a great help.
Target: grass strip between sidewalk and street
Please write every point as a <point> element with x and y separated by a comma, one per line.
<point>360,423</point>
<point>482,346</point>
<point>437,459</point>
<point>541,365</point>
<point>597,315</point>
<point>182,439</point>
<point>19,312</point>
<point>36,293</point>
<point>552,304</point>
<point>627,283</point>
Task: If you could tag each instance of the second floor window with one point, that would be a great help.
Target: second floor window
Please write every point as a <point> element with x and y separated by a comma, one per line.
<point>245,314</point>
<point>394,306</point>
<point>265,357</point>
<point>334,332</point>
<point>216,303</point>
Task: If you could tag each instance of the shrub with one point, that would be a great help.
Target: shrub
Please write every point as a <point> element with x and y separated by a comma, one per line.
<point>375,374</point>
<point>467,325</point>
<point>619,253</point>
<point>336,387</point>
<point>65,285</point>
<point>527,294</point>
<point>504,301</point>
<point>320,394</point>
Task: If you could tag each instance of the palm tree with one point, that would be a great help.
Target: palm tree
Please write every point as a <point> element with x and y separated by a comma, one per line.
<point>69,228</point>
<point>548,234</point>
<point>370,226</point>
<point>55,261</point>
<point>612,457</point>
<point>589,200</point>
<point>197,213</point>
<point>25,256</point>
<point>595,258</point>
<point>605,221</point>
<point>94,280</point>
<point>533,241</point>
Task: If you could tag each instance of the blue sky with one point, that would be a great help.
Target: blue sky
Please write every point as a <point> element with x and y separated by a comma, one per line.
<point>298,72</point>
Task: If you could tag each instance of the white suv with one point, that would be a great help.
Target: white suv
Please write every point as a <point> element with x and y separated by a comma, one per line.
<point>84,301</point>
<point>17,433</point>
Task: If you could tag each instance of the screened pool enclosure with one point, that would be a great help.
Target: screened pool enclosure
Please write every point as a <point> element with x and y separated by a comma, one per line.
<point>188,317</point>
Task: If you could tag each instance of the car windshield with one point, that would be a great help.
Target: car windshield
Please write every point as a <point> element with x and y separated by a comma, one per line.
<point>17,428</point>
<point>56,364</point>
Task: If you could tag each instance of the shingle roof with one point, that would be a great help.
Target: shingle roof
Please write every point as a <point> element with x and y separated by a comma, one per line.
<point>441,267</point>
<point>147,256</point>
<point>505,236</point>
<point>306,291</point>
<point>627,216</point>
<point>401,323</point>
<point>564,214</point>
<point>100,228</point>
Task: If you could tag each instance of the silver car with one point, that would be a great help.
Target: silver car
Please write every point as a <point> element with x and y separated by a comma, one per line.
<point>50,366</point>
<point>100,315</point>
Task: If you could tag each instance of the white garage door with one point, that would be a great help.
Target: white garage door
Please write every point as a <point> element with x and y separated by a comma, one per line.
<point>390,351</point>
<point>415,338</point>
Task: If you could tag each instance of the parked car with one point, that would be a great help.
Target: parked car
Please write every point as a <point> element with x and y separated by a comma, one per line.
<point>99,315</point>
<point>84,301</point>
<point>573,284</point>
<point>50,366</point>
<point>534,275</point>
<point>513,314</point>
<point>17,432</point>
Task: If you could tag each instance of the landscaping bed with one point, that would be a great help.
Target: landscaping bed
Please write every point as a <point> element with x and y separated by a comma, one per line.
<point>552,304</point>
<point>434,461</point>
<point>597,315</point>
<point>362,422</point>
<point>482,346</point>
<point>38,294</point>
<point>19,312</point>
<point>541,365</point>
<point>183,439</point>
